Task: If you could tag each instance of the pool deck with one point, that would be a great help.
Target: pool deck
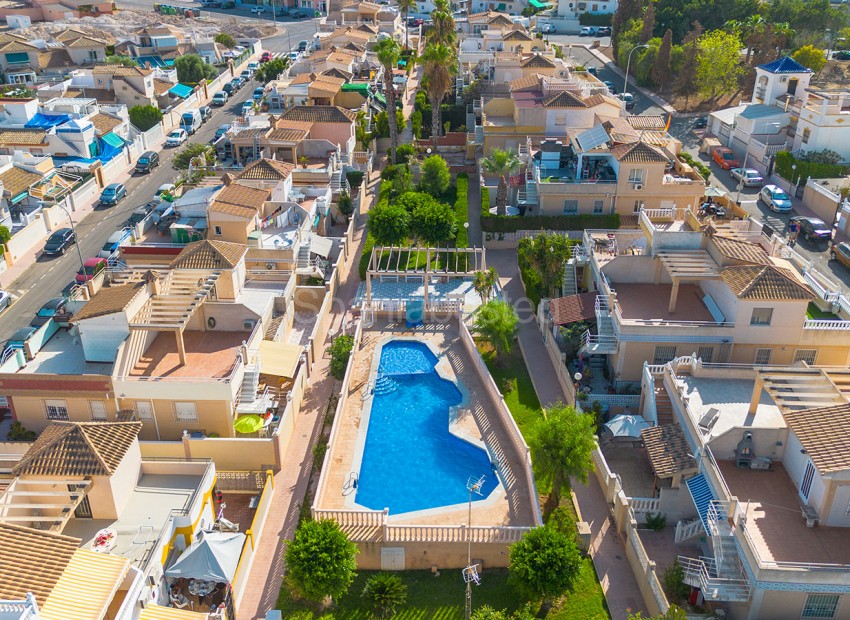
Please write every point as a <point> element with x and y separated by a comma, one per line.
<point>509,507</point>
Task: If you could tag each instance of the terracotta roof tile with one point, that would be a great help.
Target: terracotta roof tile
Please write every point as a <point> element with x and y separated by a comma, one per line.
<point>54,59</point>
<point>22,136</point>
<point>281,123</point>
<point>501,20</point>
<point>160,87</point>
<point>573,308</point>
<point>564,99</point>
<point>638,153</point>
<point>824,434</point>
<point>109,300</point>
<point>104,123</point>
<point>235,210</point>
<point>338,73</point>
<point>243,195</point>
<point>78,449</point>
<point>341,57</point>
<point>32,561</point>
<point>740,250</point>
<point>537,61</point>
<point>668,450</point>
<point>267,170</point>
<point>764,282</point>
<point>208,254</point>
<point>121,71</point>
<point>16,180</point>
<point>18,46</point>
<point>287,135</point>
<point>85,41</point>
<point>647,122</point>
<point>319,114</point>
<point>517,35</point>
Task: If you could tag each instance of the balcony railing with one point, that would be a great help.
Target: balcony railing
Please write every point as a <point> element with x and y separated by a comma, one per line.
<point>827,325</point>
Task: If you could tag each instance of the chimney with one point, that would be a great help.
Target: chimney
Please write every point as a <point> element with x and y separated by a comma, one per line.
<point>151,279</point>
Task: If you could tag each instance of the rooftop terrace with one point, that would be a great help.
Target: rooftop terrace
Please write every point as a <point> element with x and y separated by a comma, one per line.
<point>650,303</point>
<point>63,355</point>
<point>209,354</point>
<point>730,398</point>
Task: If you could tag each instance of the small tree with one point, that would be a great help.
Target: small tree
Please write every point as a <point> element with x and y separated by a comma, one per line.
<point>5,235</point>
<point>501,162</point>
<point>320,560</point>
<point>389,224</point>
<point>496,322</point>
<point>225,39</point>
<point>143,117</point>
<point>561,447</point>
<point>718,62</point>
<point>385,592</point>
<point>544,565</point>
<point>674,612</point>
<point>648,23</point>
<point>484,282</point>
<point>340,352</point>
<point>405,153</point>
<point>661,68</point>
<point>434,223</point>
<point>192,69</point>
<point>270,70</point>
<point>345,204</point>
<point>196,151</point>
<point>686,80</point>
<point>119,59</point>
<point>810,57</point>
<point>485,612</point>
<point>436,177</point>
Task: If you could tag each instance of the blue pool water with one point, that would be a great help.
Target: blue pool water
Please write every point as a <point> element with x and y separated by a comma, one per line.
<point>410,460</point>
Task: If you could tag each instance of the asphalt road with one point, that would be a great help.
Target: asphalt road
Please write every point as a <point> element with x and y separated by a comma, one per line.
<point>48,276</point>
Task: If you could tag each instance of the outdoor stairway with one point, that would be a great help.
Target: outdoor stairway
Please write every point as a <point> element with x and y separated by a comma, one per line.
<point>338,182</point>
<point>604,341</point>
<point>385,384</point>
<point>273,330</point>
<point>685,530</point>
<point>663,406</point>
<point>527,197</point>
<point>568,287</point>
<point>250,383</point>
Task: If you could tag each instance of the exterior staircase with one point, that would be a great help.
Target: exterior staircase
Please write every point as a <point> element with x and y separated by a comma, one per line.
<point>685,530</point>
<point>568,287</point>
<point>604,341</point>
<point>528,197</point>
<point>250,383</point>
<point>663,405</point>
<point>273,329</point>
<point>338,182</point>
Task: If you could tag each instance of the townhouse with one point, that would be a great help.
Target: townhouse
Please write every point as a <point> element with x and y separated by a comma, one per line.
<point>29,62</point>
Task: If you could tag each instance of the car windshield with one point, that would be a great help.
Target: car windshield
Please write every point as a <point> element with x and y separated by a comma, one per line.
<point>107,247</point>
<point>817,223</point>
<point>174,134</point>
<point>108,191</point>
<point>88,270</point>
<point>728,156</point>
<point>143,160</point>
<point>778,194</point>
<point>752,174</point>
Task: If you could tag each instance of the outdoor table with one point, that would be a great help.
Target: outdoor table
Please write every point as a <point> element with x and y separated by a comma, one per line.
<point>201,587</point>
<point>104,541</point>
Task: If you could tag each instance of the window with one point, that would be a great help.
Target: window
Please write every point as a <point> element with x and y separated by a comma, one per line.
<point>820,606</point>
<point>98,410</point>
<point>561,119</point>
<point>92,54</point>
<point>706,354</point>
<point>761,316</point>
<point>763,357</point>
<point>570,207</point>
<point>594,8</point>
<point>664,355</point>
<point>638,206</point>
<point>144,410</point>
<point>56,410</point>
<point>185,412</point>
<point>216,230</point>
<point>636,175</point>
<point>806,355</point>
<point>806,487</point>
<point>597,206</point>
<point>807,133</point>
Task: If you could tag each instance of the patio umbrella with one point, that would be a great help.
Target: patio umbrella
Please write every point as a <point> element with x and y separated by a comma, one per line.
<point>212,556</point>
<point>627,425</point>
<point>714,192</point>
<point>248,424</point>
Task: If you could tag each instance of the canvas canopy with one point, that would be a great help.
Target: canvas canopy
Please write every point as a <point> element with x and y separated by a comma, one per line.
<point>212,556</point>
<point>627,425</point>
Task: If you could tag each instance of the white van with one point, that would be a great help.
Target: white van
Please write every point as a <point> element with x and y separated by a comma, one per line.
<point>191,120</point>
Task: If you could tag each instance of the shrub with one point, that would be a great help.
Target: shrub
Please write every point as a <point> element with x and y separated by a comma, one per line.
<point>340,351</point>
<point>595,19</point>
<point>404,153</point>
<point>806,169</point>
<point>704,171</point>
<point>5,235</point>
<point>434,223</point>
<point>389,223</point>
<point>319,451</point>
<point>225,39</point>
<point>191,69</point>
<point>345,204</point>
<point>435,176</point>
<point>655,521</point>
<point>19,433</point>
<point>320,560</point>
<point>355,178</point>
<point>674,583</point>
<point>143,117</point>
<point>416,124</point>
<point>502,223</point>
<point>363,265</point>
<point>384,592</point>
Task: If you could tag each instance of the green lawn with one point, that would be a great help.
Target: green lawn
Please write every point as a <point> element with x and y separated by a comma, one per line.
<point>813,313</point>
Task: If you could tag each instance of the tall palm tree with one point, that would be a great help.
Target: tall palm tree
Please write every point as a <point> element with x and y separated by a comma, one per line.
<point>439,61</point>
<point>405,5</point>
<point>443,28</point>
<point>501,162</point>
<point>388,53</point>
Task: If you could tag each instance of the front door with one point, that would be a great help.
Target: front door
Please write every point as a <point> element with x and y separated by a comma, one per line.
<point>792,86</point>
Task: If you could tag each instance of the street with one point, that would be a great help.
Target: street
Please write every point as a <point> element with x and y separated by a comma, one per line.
<point>48,276</point>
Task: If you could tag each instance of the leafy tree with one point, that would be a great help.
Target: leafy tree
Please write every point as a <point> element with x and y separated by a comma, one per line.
<point>443,24</point>
<point>661,68</point>
<point>544,564</point>
<point>718,62</point>
<point>501,162</point>
<point>225,39</point>
<point>496,321</point>
<point>340,351</point>
<point>434,222</point>
<point>413,200</point>
<point>485,612</point>
<point>405,153</point>
<point>627,10</point>
<point>439,62</point>
<point>192,69</point>
<point>388,53</point>
<point>416,123</point>
<point>686,81</point>
<point>436,177</point>
<point>547,254</point>
<point>320,560</point>
<point>385,592</point>
<point>196,154</point>
<point>674,583</point>
<point>119,59</point>
<point>810,57</point>
<point>648,23</point>
<point>18,432</point>
<point>345,204</point>
<point>271,70</point>
<point>388,223</point>
<point>405,6</point>
<point>143,117</point>
<point>5,235</point>
<point>484,282</point>
<point>674,612</point>
<point>561,449</point>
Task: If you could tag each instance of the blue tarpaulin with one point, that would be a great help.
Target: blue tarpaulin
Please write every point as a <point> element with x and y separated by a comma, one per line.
<point>44,121</point>
<point>108,152</point>
<point>112,140</point>
<point>155,61</point>
<point>181,90</point>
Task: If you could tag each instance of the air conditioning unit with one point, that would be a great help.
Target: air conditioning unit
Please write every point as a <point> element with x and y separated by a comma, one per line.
<point>248,325</point>
<point>638,186</point>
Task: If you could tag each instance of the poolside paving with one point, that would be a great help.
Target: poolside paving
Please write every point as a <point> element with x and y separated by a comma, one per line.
<point>606,548</point>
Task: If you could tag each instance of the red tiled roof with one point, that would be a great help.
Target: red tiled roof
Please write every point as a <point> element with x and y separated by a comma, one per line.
<point>573,308</point>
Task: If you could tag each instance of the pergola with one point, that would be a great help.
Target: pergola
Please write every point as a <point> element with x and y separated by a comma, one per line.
<point>796,389</point>
<point>27,501</point>
<point>669,453</point>
<point>425,262</point>
<point>686,265</point>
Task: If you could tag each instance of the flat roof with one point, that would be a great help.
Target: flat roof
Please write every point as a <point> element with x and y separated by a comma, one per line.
<point>650,302</point>
<point>63,355</point>
<point>209,354</point>
<point>731,400</point>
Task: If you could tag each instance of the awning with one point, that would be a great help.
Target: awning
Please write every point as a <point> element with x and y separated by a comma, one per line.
<point>87,586</point>
<point>279,359</point>
<point>321,246</point>
<point>181,90</point>
<point>213,556</point>
<point>16,199</point>
<point>112,140</point>
<point>702,495</point>
<point>157,612</point>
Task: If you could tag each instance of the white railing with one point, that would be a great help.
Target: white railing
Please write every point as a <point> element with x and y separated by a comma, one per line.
<point>713,588</point>
<point>645,505</point>
<point>352,518</point>
<point>825,324</point>
<point>647,380</point>
<point>687,530</point>
<point>661,215</point>
<point>627,401</point>
<point>498,534</point>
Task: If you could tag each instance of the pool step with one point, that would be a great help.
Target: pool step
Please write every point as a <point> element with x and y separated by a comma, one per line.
<point>385,384</point>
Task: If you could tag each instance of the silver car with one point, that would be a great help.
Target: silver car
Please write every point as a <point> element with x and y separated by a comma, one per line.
<point>775,198</point>
<point>747,176</point>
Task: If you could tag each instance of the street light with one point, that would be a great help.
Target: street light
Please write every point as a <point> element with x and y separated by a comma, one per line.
<point>628,64</point>
<point>74,230</point>
<point>578,377</point>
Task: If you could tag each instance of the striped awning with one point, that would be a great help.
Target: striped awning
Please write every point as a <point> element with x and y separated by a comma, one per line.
<point>157,612</point>
<point>87,586</point>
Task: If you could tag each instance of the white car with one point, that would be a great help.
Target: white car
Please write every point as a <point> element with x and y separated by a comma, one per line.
<point>775,198</point>
<point>176,137</point>
<point>749,177</point>
<point>247,108</point>
<point>258,10</point>
<point>548,29</point>
<point>587,31</point>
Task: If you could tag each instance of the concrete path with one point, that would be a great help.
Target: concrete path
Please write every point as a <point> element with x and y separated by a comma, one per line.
<point>290,484</point>
<point>606,549</point>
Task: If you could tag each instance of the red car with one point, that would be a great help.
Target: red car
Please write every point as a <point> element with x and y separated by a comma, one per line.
<point>725,158</point>
<point>267,56</point>
<point>91,268</point>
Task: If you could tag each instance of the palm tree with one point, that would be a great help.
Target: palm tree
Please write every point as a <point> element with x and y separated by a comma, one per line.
<point>496,322</point>
<point>502,163</point>
<point>439,61</point>
<point>484,282</point>
<point>443,28</point>
<point>384,592</point>
<point>388,53</point>
<point>405,5</point>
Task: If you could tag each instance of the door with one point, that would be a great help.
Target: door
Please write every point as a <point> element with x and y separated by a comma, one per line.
<point>392,558</point>
<point>792,86</point>
<point>806,482</point>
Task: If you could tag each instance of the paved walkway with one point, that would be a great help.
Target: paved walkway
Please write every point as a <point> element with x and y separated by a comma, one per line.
<point>290,484</point>
<point>606,549</point>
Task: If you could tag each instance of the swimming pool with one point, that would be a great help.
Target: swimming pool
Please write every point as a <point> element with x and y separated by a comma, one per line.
<point>410,459</point>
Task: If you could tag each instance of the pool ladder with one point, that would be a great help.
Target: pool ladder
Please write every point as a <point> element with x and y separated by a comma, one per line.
<point>350,485</point>
<point>385,384</point>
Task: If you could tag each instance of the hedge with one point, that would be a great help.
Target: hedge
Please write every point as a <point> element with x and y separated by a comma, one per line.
<point>485,202</point>
<point>806,169</point>
<point>508,224</point>
<point>462,210</point>
<point>595,19</point>
<point>363,265</point>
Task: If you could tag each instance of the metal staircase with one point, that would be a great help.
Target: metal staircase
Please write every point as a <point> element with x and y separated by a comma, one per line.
<point>604,341</point>
<point>250,382</point>
<point>568,286</point>
<point>338,182</point>
<point>527,197</point>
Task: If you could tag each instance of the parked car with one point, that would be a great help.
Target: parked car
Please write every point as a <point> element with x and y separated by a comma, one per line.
<point>258,93</point>
<point>206,113</point>
<point>414,22</point>
<point>611,88</point>
<point>51,308</point>
<point>266,57</point>
<point>812,228</point>
<point>19,338</point>
<point>775,198</point>
<point>246,108</point>
<point>147,162</point>
<point>222,129</point>
<point>253,66</point>
<point>228,5</point>
<point>548,29</point>
<point>725,158</point>
<point>59,241</point>
<point>841,55</point>
<point>593,70</point>
<point>603,31</point>
<point>701,122</point>
<point>841,253</point>
<point>228,89</point>
<point>587,31</point>
<point>90,269</point>
<point>5,299</point>
<point>176,137</point>
<point>112,194</point>
<point>114,242</point>
<point>302,45</point>
<point>749,177</point>
<point>258,10</point>
<point>220,98</point>
<point>628,99</point>
<point>246,75</point>
<point>236,83</point>
<point>293,57</point>
<point>138,215</point>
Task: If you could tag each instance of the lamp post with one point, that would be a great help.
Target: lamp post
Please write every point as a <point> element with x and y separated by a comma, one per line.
<point>628,64</point>
<point>578,376</point>
<point>794,176</point>
<point>74,230</point>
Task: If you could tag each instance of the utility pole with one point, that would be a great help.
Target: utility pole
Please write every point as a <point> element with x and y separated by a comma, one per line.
<point>470,573</point>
